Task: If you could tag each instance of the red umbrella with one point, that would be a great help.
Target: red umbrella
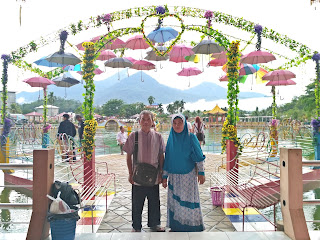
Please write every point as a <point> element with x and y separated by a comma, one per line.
<point>137,42</point>
<point>177,59</point>
<point>38,82</point>
<point>180,50</point>
<point>191,71</point>
<point>279,75</point>
<point>217,62</point>
<point>106,55</point>
<point>143,65</point>
<point>115,44</point>
<point>281,82</point>
<point>256,57</point>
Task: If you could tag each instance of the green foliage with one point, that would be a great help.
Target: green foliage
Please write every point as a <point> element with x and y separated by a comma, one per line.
<point>15,108</point>
<point>112,107</point>
<point>151,100</point>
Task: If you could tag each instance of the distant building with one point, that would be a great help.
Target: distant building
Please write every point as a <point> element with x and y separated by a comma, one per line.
<point>51,112</point>
<point>11,99</point>
<point>153,106</point>
<point>216,115</point>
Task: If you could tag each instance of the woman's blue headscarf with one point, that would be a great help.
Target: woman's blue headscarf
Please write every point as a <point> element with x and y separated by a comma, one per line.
<point>182,151</point>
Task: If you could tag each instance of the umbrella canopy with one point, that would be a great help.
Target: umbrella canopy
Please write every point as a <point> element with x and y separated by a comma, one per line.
<point>66,80</point>
<point>178,59</point>
<point>136,42</point>
<point>106,55</point>
<point>220,55</point>
<point>118,63</point>
<point>281,82</point>
<point>115,44</point>
<point>247,69</point>
<point>217,62</point>
<point>162,35</point>
<point>181,50</point>
<point>152,56</point>
<point>207,47</point>
<point>191,71</point>
<point>131,59</point>
<point>43,62</point>
<point>77,67</point>
<point>143,65</point>
<point>279,75</point>
<point>38,82</point>
<point>257,57</point>
<point>63,58</point>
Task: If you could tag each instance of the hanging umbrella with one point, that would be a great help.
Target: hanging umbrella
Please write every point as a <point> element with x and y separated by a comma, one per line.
<point>281,82</point>
<point>63,58</point>
<point>66,80</point>
<point>241,79</point>
<point>95,39</point>
<point>38,82</point>
<point>180,50</point>
<point>256,57</point>
<point>43,62</point>
<point>191,71</point>
<point>106,55</point>
<point>114,44</point>
<point>247,69</point>
<point>77,67</point>
<point>177,59</point>
<point>97,71</point>
<point>152,55</point>
<point>162,35</point>
<point>207,47</point>
<point>217,62</point>
<point>136,42</point>
<point>279,75</point>
<point>143,65</point>
<point>130,59</point>
<point>221,55</point>
<point>118,63</point>
<point>193,58</point>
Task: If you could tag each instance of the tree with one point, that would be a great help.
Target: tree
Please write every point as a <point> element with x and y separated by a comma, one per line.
<point>51,98</point>
<point>151,100</point>
<point>112,107</point>
<point>160,108</point>
<point>181,108</point>
<point>176,105</point>
<point>170,108</point>
<point>15,108</point>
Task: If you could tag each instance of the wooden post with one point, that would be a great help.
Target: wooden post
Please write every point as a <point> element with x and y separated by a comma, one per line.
<point>43,175</point>
<point>291,194</point>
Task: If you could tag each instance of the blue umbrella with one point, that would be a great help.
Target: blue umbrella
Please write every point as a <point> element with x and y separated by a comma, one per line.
<point>162,35</point>
<point>44,62</point>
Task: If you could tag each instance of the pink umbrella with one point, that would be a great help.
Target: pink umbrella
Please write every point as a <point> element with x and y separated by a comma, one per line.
<point>180,50</point>
<point>106,55</point>
<point>137,42</point>
<point>281,82</point>
<point>115,44</point>
<point>177,59</point>
<point>131,59</point>
<point>97,71</point>
<point>38,82</point>
<point>222,55</point>
<point>143,65</point>
<point>191,71</point>
<point>256,57</point>
<point>217,62</point>
<point>279,75</point>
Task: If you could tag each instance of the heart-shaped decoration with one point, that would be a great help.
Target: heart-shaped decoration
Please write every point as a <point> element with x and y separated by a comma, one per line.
<point>173,42</point>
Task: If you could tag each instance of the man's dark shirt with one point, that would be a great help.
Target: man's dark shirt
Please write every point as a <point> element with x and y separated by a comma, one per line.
<point>67,127</point>
<point>80,129</point>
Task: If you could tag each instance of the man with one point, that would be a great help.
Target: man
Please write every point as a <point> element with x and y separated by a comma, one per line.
<point>65,131</point>
<point>121,138</point>
<point>80,127</point>
<point>150,150</point>
<point>188,125</point>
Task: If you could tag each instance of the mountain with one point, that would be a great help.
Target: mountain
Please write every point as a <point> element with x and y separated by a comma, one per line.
<point>137,88</point>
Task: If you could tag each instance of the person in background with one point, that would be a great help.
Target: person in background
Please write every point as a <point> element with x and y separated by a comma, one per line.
<point>198,129</point>
<point>150,150</point>
<point>183,168</point>
<point>121,138</point>
<point>189,125</point>
<point>80,127</point>
<point>66,133</point>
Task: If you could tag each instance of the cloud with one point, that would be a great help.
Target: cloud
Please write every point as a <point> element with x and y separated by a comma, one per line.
<point>21,100</point>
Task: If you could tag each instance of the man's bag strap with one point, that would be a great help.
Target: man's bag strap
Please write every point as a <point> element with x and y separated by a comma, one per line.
<point>135,152</point>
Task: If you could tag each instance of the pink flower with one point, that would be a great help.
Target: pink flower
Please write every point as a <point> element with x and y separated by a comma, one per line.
<point>208,14</point>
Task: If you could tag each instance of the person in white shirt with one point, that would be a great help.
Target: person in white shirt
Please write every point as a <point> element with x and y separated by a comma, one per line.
<point>121,138</point>
<point>189,126</point>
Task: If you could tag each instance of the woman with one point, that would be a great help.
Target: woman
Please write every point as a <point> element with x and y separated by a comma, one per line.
<point>183,166</point>
<point>198,129</point>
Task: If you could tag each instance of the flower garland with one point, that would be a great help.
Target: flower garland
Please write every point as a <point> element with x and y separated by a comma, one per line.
<point>7,124</point>
<point>258,30</point>
<point>208,15</point>
<point>89,132</point>
<point>274,105</point>
<point>6,59</point>
<point>90,123</point>
<point>316,58</point>
<point>160,53</point>
<point>229,130</point>
<point>315,123</point>
<point>274,128</point>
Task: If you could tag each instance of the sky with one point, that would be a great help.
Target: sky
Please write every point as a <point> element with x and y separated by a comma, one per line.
<point>296,19</point>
